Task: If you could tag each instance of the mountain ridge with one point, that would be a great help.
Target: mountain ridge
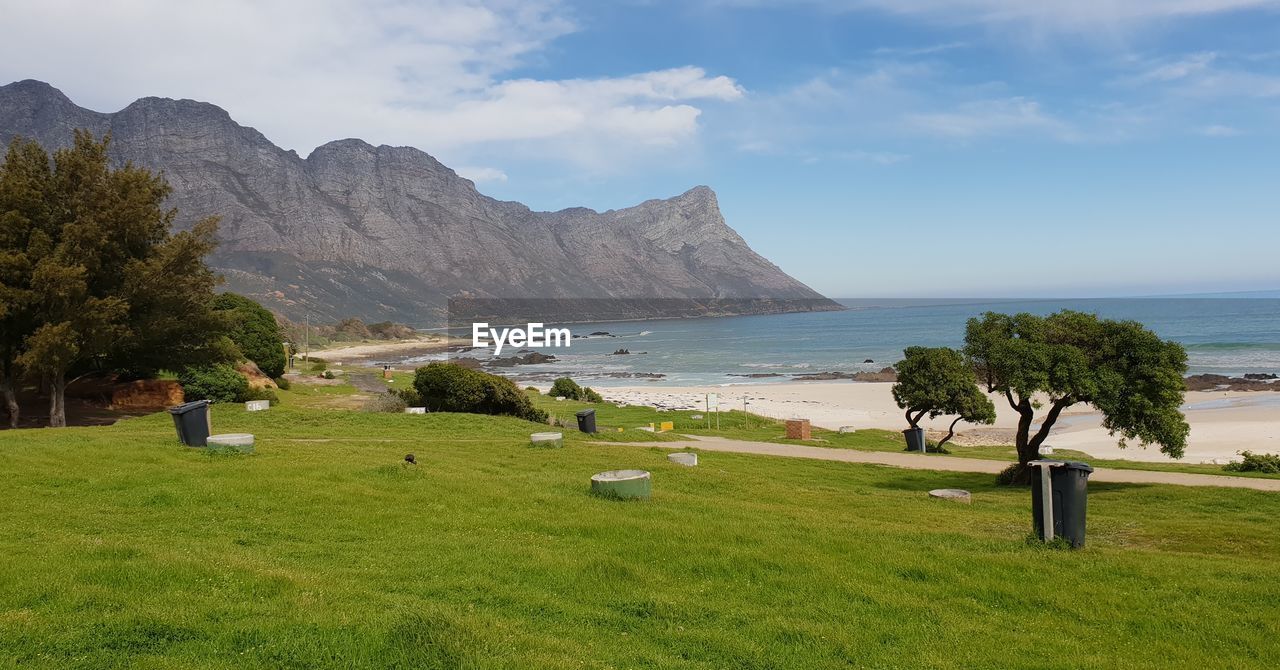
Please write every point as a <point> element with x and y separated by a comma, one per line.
<point>391,233</point>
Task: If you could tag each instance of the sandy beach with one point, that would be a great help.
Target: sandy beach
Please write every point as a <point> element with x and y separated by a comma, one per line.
<point>1222,423</point>
<point>393,350</point>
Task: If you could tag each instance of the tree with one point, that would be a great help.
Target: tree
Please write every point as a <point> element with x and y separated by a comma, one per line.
<point>1125,371</point>
<point>254,330</point>
<point>25,219</point>
<point>111,288</point>
<point>937,381</point>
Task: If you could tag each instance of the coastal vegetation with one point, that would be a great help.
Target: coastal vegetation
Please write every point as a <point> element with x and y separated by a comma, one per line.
<point>568,389</point>
<point>445,387</point>
<point>938,381</point>
<point>1134,378</point>
<point>91,276</point>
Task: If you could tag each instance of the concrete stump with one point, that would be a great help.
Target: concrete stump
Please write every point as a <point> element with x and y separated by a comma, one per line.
<point>257,405</point>
<point>683,458</point>
<point>958,495</point>
<point>622,484</point>
<point>552,440</point>
<point>848,429</point>
<point>242,442</point>
<point>415,410</point>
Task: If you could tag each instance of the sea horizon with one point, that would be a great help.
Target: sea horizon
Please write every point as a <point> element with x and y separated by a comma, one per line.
<point>1223,334</point>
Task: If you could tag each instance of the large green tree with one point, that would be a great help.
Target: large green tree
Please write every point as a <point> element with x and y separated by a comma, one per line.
<point>254,330</point>
<point>938,381</point>
<point>25,227</point>
<point>109,287</point>
<point>1129,374</point>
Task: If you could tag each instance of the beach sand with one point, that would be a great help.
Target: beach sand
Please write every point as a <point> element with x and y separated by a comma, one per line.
<point>393,350</point>
<point>1222,423</point>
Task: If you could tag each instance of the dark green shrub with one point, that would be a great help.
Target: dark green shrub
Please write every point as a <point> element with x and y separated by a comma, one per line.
<point>328,374</point>
<point>445,387</point>
<point>1251,462</point>
<point>565,388</point>
<point>532,389</point>
<point>254,331</point>
<point>283,383</point>
<point>216,383</point>
<point>319,365</point>
<point>569,389</point>
<point>410,396</point>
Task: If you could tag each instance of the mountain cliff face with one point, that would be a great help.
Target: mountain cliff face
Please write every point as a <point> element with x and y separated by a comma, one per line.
<point>391,233</point>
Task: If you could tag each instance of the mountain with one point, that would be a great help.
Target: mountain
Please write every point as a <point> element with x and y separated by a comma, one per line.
<point>389,233</point>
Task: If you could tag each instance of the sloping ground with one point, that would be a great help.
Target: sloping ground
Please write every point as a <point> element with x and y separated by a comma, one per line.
<point>953,464</point>
<point>324,550</point>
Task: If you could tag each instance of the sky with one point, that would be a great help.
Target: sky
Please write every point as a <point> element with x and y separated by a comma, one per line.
<point>870,148</point>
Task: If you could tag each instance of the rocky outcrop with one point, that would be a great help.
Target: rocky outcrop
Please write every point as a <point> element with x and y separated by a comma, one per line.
<point>1211,382</point>
<point>389,233</point>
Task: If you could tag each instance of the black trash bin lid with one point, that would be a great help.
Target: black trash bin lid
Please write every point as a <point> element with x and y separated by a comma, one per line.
<point>1077,465</point>
<point>187,406</point>
<point>586,412</point>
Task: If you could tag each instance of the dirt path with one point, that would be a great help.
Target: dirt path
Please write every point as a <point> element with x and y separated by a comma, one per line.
<point>949,463</point>
<point>367,382</point>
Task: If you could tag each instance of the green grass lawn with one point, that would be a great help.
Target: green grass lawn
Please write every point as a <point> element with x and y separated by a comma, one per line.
<point>124,549</point>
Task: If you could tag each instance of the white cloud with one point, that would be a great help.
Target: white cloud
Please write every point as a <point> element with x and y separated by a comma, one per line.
<point>988,117</point>
<point>431,74</point>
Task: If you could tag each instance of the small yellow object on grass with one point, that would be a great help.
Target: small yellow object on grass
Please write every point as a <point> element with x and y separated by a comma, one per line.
<point>667,425</point>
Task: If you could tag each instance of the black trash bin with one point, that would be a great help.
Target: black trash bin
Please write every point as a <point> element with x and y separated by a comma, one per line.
<point>915,439</point>
<point>587,421</point>
<point>1068,495</point>
<point>192,421</point>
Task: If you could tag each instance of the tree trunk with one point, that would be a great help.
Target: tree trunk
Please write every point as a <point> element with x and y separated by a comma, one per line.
<point>951,432</point>
<point>57,400</point>
<point>1029,445</point>
<point>9,387</point>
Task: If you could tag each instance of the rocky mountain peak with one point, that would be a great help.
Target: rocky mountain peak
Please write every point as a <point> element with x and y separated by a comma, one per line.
<point>390,233</point>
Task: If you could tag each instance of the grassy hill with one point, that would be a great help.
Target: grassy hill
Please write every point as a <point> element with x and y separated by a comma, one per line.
<point>124,549</point>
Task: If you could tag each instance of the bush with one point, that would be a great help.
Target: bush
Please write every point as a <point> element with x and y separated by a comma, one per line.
<point>1251,462</point>
<point>389,402</point>
<point>319,365</point>
<point>282,383</point>
<point>409,396</point>
<point>262,393</point>
<point>445,387</point>
<point>328,374</point>
<point>532,389</point>
<point>254,331</point>
<point>567,388</point>
<point>215,383</point>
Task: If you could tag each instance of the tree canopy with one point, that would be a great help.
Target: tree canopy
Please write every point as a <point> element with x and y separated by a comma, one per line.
<point>93,279</point>
<point>254,330</point>
<point>1134,378</point>
<point>938,381</point>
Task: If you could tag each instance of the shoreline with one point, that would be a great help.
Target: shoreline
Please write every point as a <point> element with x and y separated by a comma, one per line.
<point>1223,423</point>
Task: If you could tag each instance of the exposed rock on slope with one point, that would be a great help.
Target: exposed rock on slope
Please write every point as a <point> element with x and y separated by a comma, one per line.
<point>390,233</point>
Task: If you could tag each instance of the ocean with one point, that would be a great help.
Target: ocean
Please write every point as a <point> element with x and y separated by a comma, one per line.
<point>1229,336</point>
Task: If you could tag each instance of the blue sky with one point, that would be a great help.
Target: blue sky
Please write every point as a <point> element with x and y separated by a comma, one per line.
<point>870,148</point>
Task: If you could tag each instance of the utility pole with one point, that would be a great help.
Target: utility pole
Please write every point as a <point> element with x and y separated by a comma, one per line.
<point>306,338</point>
